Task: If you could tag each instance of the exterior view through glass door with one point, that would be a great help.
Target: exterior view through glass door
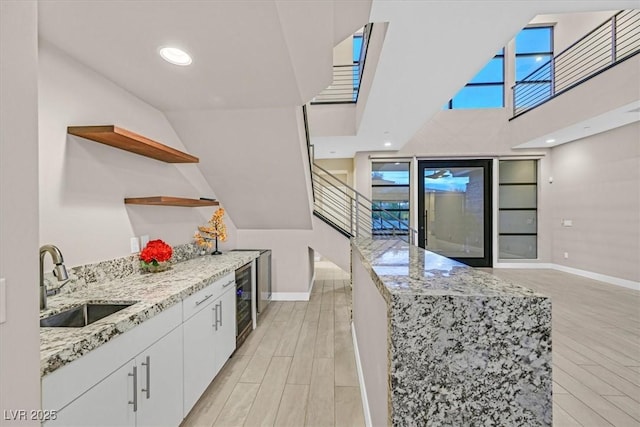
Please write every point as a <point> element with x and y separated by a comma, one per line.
<point>454,209</point>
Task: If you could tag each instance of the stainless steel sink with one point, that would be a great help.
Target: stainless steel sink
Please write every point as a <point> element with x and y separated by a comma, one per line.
<point>82,315</point>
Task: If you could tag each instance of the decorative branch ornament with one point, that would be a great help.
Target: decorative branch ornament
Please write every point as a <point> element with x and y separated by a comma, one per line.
<point>214,231</point>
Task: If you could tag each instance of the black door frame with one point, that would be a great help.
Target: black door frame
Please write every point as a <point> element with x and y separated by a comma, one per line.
<point>487,165</point>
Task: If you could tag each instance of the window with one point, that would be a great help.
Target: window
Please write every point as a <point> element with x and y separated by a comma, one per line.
<point>534,52</point>
<point>485,90</point>
<point>534,49</point>
<point>518,209</point>
<point>390,196</point>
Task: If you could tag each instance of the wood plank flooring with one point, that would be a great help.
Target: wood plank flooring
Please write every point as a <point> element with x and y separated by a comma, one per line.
<point>298,367</point>
<point>596,348</point>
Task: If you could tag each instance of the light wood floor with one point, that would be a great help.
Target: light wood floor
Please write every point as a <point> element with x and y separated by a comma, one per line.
<point>297,368</point>
<point>596,348</point>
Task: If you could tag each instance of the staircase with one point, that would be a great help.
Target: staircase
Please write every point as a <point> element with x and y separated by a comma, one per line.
<point>351,214</point>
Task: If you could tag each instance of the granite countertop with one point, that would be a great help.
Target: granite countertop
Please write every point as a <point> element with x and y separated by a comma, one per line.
<point>398,268</point>
<point>151,292</point>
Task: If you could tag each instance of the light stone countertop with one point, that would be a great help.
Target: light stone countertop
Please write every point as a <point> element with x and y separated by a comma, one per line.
<point>152,292</point>
<point>398,268</point>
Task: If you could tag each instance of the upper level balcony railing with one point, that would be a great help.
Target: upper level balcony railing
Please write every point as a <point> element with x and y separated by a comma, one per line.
<point>612,42</point>
<point>345,87</point>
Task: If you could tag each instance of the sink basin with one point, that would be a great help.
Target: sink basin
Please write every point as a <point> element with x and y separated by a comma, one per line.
<point>82,315</point>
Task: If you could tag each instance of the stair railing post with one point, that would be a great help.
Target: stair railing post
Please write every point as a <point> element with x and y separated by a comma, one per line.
<point>614,41</point>
<point>357,233</point>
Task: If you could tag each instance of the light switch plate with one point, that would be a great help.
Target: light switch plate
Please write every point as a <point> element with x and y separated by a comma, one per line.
<point>3,301</point>
<point>135,245</point>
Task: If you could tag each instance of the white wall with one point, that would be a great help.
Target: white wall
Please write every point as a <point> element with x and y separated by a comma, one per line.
<point>19,336</point>
<point>256,159</point>
<point>291,268</point>
<point>83,183</point>
<point>289,258</point>
<point>569,27</point>
<point>596,184</point>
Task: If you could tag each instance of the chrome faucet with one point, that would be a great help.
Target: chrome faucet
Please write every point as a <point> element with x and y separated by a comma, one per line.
<point>59,270</point>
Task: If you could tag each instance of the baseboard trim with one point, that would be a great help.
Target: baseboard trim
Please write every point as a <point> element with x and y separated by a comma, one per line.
<point>539,265</point>
<point>290,296</point>
<point>363,389</point>
<point>630,284</point>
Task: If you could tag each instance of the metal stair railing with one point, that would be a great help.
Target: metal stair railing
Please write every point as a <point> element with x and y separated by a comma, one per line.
<point>613,41</point>
<point>351,212</point>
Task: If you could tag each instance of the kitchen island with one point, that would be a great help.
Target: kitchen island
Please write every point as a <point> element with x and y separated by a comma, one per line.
<point>440,343</point>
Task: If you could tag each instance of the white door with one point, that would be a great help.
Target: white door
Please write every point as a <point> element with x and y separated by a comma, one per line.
<point>226,333</point>
<point>199,354</point>
<point>160,382</point>
<point>108,403</point>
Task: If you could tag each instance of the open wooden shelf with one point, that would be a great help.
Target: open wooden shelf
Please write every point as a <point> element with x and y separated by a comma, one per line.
<point>170,201</point>
<point>129,141</point>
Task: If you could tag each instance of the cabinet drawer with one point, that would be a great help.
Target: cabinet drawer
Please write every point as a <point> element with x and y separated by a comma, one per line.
<point>196,302</point>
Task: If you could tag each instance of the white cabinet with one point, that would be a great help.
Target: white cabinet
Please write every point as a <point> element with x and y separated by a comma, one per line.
<point>143,392</point>
<point>108,403</point>
<point>153,374</point>
<point>226,333</point>
<point>199,354</point>
<point>209,340</point>
<point>160,382</point>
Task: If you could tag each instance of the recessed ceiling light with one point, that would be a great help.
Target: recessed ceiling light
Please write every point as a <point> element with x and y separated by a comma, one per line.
<point>387,144</point>
<point>550,141</point>
<point>175,56</point>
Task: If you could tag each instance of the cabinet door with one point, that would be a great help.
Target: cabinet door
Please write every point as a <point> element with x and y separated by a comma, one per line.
<point>226,333</point>
<point>108,403</point>
<point>199,354</point>
<point>160,382</point>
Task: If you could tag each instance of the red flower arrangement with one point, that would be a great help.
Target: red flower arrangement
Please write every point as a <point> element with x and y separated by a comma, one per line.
<point>155,252</point>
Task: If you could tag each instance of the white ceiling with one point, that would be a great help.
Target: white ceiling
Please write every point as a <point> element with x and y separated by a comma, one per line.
<point>251,54</point>
<point>246,54</point>
<point>431,49</point>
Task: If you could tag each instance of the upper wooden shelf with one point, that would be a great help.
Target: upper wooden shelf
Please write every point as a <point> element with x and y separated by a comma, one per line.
<point>129,141</point>
<point>170,201</point>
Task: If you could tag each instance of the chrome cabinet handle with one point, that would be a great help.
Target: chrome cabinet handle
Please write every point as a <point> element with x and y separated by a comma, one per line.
<point>204,299</point>
<point>147,363</point>
<point>227,284</point>
<point>215,316</point>
<point>220,313</point>
<point>135,389</point>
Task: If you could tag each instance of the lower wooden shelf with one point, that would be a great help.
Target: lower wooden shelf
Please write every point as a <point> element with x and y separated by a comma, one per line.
<point>170,201</point>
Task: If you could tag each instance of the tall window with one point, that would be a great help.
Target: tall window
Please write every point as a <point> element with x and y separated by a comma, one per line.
<point>534,51</point>
<point>518,209</point>
<point>486,89</point>
<point>390,194</point>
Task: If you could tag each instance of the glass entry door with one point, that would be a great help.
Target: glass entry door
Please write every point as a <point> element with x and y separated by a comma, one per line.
<point>454,209</point>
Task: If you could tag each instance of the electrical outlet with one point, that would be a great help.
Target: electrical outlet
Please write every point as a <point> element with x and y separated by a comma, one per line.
<point>135,245</point>
<point>144,240</point>
<point>566,255</point>
<point>3,301</point>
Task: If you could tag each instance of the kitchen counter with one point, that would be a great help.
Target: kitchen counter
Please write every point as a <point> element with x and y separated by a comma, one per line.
<point>154,292</point>
<point>441,343</point>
